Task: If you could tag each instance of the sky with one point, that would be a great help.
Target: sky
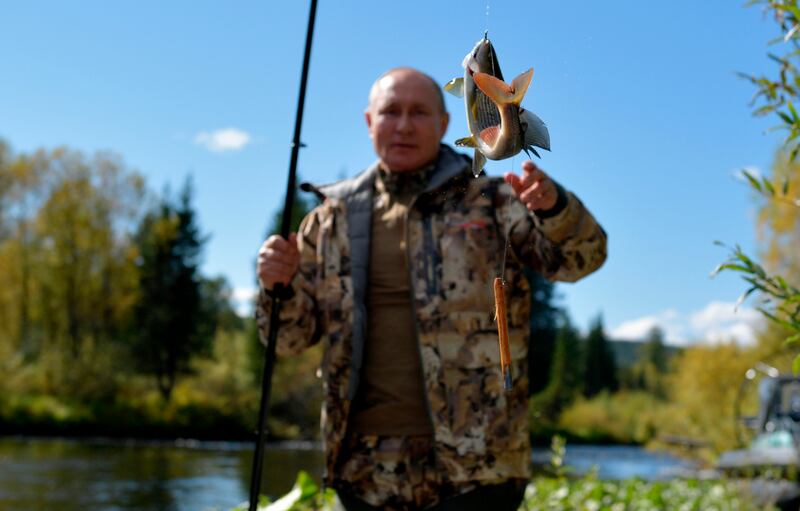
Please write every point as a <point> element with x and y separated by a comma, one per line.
<point>649,122</point>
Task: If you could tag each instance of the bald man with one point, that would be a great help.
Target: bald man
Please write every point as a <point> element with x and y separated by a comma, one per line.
<point>393,272</point>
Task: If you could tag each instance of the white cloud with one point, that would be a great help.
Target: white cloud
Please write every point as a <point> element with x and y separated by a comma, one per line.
<point>637,329</point>
<point>227,139</point>
<point>714,323</point>
<point>721,321</point>
<point>242,298</point>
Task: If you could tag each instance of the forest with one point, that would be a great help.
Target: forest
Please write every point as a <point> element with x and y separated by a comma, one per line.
<point>108,327</point>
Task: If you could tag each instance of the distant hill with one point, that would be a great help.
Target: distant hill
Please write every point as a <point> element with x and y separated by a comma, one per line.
<point>627,353</point>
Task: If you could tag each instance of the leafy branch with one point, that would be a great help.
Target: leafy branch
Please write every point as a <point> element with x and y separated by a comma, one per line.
<point>777,94</point>
<point>781,300</point>
<point>768,190</point>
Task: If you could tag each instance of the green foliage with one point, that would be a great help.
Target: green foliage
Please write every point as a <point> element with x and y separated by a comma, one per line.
<point>600,371</point>
<point>558,451</point>
<point>544,321</point>
<point>775,95</point>
<point>305,495</point>
<point>69,280</point>
<point>99,294</point>
<point>702,391</point>
<point>170,325</point>
<point>648,372</point>
<point>565,381</point>
<point>626,417</point>
<point>591,494</point>
<point>780,298</point>
<point>562,494</point>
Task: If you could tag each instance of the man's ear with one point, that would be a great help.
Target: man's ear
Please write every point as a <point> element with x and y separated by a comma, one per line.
<point>368,118</point>
<point>445,122</point>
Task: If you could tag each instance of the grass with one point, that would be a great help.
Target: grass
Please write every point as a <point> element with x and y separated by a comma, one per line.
<point>561,494</point>
<point>558,492</point>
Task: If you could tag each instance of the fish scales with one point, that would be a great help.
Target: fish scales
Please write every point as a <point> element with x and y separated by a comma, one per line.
<point>487,112</point>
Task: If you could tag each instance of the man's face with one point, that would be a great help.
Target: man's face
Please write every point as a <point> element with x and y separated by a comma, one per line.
<point>406,121</point>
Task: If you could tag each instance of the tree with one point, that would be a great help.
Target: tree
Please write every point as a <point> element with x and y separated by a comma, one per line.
<point>170,325</point>
<point>778,291</point>
<point>648,373</point>
<point>215,300</point>
<point>702,390</point>
<point>544,319</point>
<point>65,248</point>
<point>565,375</point>
<point>85,251</point>
<point>600,370</point>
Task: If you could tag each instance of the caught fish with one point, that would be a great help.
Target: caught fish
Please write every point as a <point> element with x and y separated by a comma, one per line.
<point>499,128</point>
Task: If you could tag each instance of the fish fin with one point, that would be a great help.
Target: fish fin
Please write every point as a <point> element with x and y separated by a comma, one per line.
<point>478,161</point>
<point>466,142</point>
<point>455,87</point>
<point>490,134</point>
<point>535,132</point>
<point>529,149</point>
<point>502,93</point>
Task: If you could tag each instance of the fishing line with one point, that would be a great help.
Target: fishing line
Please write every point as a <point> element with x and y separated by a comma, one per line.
<point>507,235</point>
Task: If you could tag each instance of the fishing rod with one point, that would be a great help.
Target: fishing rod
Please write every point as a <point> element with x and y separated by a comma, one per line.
<point>269,356</point>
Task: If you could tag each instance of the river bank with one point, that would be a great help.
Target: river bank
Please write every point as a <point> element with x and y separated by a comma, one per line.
<point>105,474</point>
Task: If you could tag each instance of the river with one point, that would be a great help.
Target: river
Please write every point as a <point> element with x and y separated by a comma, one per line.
<point>113,475</point>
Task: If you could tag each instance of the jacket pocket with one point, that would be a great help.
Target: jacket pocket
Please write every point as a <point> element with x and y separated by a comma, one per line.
<point>471,258</point>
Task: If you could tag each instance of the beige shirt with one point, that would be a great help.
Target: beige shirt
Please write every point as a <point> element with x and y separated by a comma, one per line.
<point>391,397</point>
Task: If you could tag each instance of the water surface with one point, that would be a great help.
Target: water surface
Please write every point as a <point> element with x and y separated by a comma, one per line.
<point>111,475</point>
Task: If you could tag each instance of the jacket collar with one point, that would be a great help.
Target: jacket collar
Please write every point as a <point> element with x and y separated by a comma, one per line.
<point>449,164</point>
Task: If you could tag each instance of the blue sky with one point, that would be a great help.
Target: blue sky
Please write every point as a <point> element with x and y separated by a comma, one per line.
<point>647,118</point>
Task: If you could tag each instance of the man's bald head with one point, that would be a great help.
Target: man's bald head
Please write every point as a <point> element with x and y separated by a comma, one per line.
<point>406,73</point>
<point>406,119</point>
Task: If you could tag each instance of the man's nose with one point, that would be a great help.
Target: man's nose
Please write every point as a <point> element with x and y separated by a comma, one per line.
<point>404,122</point>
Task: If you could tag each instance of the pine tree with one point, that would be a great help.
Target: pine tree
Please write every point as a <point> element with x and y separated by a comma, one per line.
<point>171,326</point>
<point>565,377</point>
<point>544,317</point>
<point>600,370</point>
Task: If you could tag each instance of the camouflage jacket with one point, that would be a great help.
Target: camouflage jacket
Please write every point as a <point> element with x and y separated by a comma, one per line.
<point>455,233</point>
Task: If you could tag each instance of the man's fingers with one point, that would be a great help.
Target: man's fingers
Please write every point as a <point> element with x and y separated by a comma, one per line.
<point>533,191</point>
<point>278,255</point>
<point>531,175</point>
<point>541,195</point>
<point>280,244</point>
<point>285,265</point>
<point>514,181</point>
<point>278,260</point>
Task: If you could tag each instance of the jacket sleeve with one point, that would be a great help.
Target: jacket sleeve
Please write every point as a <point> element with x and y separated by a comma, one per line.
<point>565,245</point>
<point>300,324</point>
